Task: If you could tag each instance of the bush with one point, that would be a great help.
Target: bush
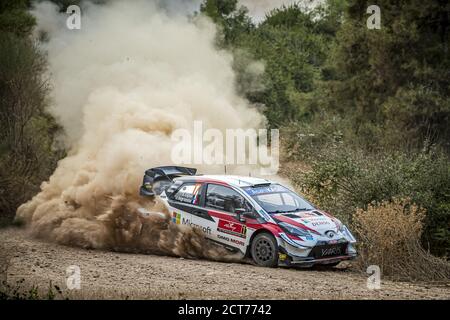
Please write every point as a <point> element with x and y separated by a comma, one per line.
<point>342,180</point>
<point>27,156</point>
<point>389,236</point>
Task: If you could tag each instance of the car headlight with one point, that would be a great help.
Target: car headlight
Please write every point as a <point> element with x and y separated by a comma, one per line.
<point>339,225</point>
<point>294,230</point>
<point>347,233</point>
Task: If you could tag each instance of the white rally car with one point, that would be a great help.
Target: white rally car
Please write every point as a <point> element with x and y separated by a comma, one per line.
<point>262,219</point>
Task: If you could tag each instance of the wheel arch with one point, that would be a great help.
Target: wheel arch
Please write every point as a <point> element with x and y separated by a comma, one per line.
<point>261,230</point>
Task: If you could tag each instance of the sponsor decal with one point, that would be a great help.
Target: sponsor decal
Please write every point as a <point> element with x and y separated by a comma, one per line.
<point>319,223</point>
<point>196,197</point>
<point>266,189</point>
<point>221,237</point>
<point>309,237</point>
<point>235,241</point>
<point>282,256</point>
<point>331,251</point>
<point>330,234</point>
<point>176,217</point>
<point>189,194</point>
<point>306,215</point>
<point>233,228</point>
<point>238,242</point>
<point>310,214</point>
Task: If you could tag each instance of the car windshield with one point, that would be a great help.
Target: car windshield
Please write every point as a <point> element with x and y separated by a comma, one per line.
<point>275,198</point>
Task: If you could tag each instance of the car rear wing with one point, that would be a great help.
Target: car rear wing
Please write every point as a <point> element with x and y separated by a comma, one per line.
<point>157,179</point>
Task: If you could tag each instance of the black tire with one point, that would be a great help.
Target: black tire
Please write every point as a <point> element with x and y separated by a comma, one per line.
<point>264,250</point>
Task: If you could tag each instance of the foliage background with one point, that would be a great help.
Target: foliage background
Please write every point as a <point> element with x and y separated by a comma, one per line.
<point>27,131</point>
<point>364,114</point>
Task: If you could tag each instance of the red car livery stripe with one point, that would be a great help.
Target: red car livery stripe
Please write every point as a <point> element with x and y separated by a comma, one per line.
<point>294,223</point>
<point>327,214</point>
<point>221,215</point>
<point>251,224</point>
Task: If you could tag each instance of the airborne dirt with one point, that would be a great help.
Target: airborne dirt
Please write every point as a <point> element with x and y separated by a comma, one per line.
<point>119,275</point>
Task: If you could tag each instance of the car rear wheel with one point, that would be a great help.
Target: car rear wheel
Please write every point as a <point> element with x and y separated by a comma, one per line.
<point>264,250</point>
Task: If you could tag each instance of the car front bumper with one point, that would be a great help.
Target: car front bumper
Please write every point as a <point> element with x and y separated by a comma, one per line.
<point>294,254</point>
<point>309,262</point>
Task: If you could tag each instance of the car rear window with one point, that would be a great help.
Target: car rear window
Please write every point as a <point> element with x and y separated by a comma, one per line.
<point>188,193</point>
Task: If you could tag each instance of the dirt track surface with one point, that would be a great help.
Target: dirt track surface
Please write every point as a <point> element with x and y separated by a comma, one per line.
<point>119,275</point>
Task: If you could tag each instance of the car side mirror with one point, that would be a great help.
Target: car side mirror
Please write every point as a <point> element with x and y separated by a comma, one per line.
<point>240,214</point>
<point>250,214</point>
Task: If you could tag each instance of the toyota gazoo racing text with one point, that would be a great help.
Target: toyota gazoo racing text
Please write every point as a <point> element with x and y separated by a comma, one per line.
<point>262,219</point>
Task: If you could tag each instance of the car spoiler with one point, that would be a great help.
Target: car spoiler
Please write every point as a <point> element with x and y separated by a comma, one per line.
<point>164,174</point>
<point>169,172</point>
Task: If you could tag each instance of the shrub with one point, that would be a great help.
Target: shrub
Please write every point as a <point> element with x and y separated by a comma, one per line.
<point>27,156</point>
<point>389,236</point>
<point>342,180</point>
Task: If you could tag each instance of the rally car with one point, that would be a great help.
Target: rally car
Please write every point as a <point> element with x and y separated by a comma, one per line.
<point>262,219</point>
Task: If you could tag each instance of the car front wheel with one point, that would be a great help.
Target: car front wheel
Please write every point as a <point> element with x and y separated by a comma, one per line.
<point>264,250</point>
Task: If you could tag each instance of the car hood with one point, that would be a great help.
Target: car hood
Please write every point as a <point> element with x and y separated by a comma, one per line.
<point>315,221</point>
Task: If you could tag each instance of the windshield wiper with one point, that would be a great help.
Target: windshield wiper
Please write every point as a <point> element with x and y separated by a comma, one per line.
<point>277,211</point>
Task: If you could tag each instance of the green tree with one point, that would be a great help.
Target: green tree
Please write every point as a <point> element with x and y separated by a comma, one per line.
<point>394,80</point>
<point>14,18</point>
<point>290,42</point>
<point>231,19</point>
<point>26,130</point>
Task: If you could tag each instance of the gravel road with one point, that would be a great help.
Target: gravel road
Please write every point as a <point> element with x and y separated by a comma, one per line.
<point>119,275</point>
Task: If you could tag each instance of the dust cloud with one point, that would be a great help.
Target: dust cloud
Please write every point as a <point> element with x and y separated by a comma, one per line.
<point>122,84</point>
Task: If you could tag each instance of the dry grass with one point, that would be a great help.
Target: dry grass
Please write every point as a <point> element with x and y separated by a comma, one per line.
<point>389,236</point>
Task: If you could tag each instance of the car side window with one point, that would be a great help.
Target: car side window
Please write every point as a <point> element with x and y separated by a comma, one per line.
<point>173,187</point>
<point>188,193</point>
<point>224,198</point>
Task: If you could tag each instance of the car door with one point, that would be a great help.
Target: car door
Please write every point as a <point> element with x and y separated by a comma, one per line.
<point>221,202</point>
<point>186,208</point>
<point>182,202</point>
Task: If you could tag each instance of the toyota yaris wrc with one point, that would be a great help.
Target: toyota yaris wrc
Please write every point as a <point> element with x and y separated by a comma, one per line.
<point>262,219</point>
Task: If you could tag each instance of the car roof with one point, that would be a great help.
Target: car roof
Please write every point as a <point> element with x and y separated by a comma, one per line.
<point>236,181</point>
